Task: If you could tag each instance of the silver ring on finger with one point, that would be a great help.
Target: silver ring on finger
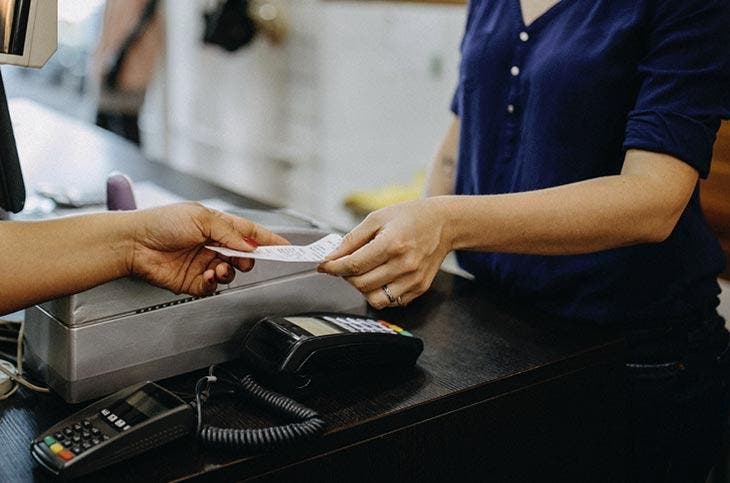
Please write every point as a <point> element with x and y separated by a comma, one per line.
<point>389,294</point>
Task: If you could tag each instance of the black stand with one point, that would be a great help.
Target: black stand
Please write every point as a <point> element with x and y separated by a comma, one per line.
<point>12,188</point>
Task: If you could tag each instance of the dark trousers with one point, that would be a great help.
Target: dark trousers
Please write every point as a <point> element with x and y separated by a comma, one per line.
<point>678,401</point>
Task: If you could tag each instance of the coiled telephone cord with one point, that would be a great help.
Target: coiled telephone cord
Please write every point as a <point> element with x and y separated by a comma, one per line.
<point>306,425</point>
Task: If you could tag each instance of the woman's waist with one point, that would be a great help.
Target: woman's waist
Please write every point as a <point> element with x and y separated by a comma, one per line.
<point>624,288</point>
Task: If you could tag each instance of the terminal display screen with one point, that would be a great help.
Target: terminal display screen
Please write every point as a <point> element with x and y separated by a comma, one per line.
<point>314,326</point>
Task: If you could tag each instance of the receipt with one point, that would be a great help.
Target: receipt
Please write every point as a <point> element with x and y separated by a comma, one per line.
<point>314,252</point>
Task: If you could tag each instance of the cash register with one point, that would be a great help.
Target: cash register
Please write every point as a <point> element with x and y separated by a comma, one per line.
<point>123,332</point>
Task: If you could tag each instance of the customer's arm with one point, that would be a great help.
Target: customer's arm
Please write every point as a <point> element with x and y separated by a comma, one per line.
<point>164,246</point>
<point>403,245</point>
<point>442,170</point>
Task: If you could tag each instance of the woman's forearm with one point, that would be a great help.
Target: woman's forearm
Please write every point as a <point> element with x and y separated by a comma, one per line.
<point>46,259</point>
<point>642,205</point>
<point>442,170</point>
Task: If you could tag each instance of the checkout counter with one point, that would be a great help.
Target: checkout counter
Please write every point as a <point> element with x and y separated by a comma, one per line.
<point>499,393</point>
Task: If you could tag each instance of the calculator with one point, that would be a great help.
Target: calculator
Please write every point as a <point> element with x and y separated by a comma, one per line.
<point>305,345</point>
<point>129,422</point>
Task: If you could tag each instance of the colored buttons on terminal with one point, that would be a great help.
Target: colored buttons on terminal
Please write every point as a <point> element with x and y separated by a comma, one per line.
<point>396,328</point>
<point>66,454</point>
<point>391,326</point>
<point>52,445</point>
<point>56,448</point>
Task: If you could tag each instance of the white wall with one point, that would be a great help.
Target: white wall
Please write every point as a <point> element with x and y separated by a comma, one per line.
<point>388,76</point>
<point>357,98</point>
<point>218,112</point>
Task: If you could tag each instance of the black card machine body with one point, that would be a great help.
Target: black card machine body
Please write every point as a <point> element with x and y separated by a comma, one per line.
<point>126,423</point>
<point>295,349</point>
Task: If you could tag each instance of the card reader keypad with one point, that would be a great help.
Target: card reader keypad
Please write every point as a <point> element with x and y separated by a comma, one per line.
<point>113,420</point>
<point>72,440</point>
<point>356,324</point>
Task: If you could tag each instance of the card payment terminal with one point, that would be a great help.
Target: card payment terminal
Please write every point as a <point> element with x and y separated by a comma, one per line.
<point>126,423</point>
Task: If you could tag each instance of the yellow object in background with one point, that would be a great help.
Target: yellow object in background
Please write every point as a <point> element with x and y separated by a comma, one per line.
<point>363,202</point>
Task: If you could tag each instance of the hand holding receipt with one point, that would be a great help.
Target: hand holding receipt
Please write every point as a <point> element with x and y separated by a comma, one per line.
<point>314,252</point>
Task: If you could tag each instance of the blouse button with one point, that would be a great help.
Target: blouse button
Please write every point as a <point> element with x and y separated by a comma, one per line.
<point>510,108</point>
<point>515,71</point>
<point>524,36</point>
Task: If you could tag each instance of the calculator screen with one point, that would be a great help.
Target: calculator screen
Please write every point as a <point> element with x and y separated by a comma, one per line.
<point>314,326</point>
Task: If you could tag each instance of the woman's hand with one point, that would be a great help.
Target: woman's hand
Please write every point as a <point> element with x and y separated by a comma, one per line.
<point>394,254</point>
<point>169,247</point>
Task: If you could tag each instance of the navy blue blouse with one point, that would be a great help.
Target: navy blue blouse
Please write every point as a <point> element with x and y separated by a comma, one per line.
<point>561,100</point>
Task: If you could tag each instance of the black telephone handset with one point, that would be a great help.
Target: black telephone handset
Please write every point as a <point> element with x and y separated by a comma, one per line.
<point>128,422</point>
<point>294,349</point>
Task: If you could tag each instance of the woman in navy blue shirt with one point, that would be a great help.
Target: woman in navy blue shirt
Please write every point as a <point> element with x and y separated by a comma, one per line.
<point>569,179</point>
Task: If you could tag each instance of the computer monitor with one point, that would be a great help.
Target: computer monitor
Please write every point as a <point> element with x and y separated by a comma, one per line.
<point>28,37</point>
<point>28,31</point>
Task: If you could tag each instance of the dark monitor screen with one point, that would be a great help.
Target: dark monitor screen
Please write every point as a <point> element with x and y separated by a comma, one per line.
<point>13,25</point>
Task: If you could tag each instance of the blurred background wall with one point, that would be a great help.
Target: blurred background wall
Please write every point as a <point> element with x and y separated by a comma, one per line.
<point>355,98</point>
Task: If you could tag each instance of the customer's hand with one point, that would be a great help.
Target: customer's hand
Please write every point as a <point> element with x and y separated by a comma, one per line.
<point>400,247</point>
<point>169,247</point>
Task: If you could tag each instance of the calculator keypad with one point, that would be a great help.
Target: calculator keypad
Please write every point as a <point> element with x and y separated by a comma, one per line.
<point>357,324</point>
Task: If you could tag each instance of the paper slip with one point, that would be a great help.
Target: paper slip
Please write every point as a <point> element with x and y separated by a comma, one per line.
<point>314,252</point>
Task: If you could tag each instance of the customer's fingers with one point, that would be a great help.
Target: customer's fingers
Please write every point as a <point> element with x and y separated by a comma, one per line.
<point>204,285</point>
<point>241,234</point>
<point>243,264</point>
<point>224,273</point>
